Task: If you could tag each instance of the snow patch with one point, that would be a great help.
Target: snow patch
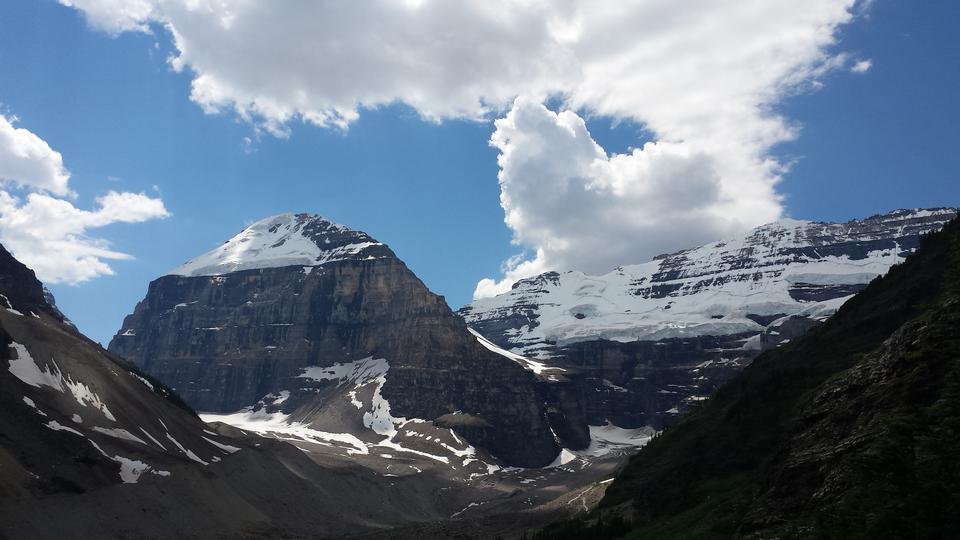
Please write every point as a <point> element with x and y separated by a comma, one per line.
<point>358,372</point>
<point>146,383</point>
<point>57,426</point>
<point>565,456</point>
<point>532,365</point>
<point>280,426</point>
<point>130,469</point>
<point>225,447</point>
<point>120,433</point>
<point>188,453</point>
<point>152,438</point>
<point>26,369</point>
<point>33,405</point>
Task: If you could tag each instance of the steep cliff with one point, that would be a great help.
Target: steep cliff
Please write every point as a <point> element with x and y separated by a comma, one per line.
<point>264,313</point>
<point>646,343</point>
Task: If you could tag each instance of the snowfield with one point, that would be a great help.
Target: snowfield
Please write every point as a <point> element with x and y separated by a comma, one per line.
<point>279,241</point>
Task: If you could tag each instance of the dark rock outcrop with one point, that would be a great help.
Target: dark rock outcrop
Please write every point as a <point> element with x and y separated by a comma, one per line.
<point>20,289</point>
<point>650,383</point>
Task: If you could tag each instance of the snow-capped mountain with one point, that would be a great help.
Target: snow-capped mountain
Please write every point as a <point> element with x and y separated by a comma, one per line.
<point>91,447</point>
<point>259,331</point>
<point>655,338</point>
<point>285,240</point>
<point>735,286</point>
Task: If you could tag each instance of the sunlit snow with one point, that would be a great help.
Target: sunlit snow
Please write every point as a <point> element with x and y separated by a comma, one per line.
<point>273,242</point>
<point>707,291</point>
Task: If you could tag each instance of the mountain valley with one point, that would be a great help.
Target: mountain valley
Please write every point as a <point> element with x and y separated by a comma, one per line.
<point>338,397</point>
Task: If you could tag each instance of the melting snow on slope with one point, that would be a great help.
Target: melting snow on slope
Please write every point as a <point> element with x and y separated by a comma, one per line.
<point>225,447</point>
<point>120,434</point>
<point>280,426</point>
<point>358,372</point>
<point>187,452</point>
<point>376,416</point>
<point>532,365</point>
<point>33,405</point>
<point>26,369</point>
<point>607,439</point>
<point>379,419</point>
<point>130,469</point>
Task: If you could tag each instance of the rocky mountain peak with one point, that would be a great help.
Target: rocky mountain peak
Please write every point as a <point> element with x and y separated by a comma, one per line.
<point>285,240</point>
<point>784,268</point>
<point>652,340</point>
<point>240,330</point>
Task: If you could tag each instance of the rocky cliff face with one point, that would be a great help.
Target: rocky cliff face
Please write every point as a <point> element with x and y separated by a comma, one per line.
<point>645,343</point>
<point>257,320</point>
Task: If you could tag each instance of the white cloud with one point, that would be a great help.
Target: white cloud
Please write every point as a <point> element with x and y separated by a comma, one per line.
<point>579,208</point>
<point>656,61</point>
<point>704,77</point>
<point>323,61</point>
<point>116,16</point>
<point>47,233</point>
<point>862,66</point>
<point>28,161</point>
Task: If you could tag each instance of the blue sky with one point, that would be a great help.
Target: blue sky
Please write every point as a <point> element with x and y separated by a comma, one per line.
<point>123,120</point>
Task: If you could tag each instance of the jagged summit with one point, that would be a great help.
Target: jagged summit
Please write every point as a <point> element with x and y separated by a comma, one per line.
<point>285,240</point>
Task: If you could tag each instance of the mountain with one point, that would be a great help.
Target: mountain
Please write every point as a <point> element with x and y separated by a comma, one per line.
<point>91,447</point>
<point>298,324</point>
<point>648,342</point>
<point>847,432</point>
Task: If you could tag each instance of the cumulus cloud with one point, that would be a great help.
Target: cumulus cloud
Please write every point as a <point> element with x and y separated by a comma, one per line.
<point>580,208</point>
<point>28,161</point>
<point>48,233</point>
<point>116,16</point>
<point>704,77</point>
<point>324,61</point>
<point>655,61</point>
<point>861,66</point>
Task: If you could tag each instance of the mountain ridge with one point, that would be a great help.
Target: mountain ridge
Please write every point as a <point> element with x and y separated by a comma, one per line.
<point>705,290</point>
<point>647,343</point>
